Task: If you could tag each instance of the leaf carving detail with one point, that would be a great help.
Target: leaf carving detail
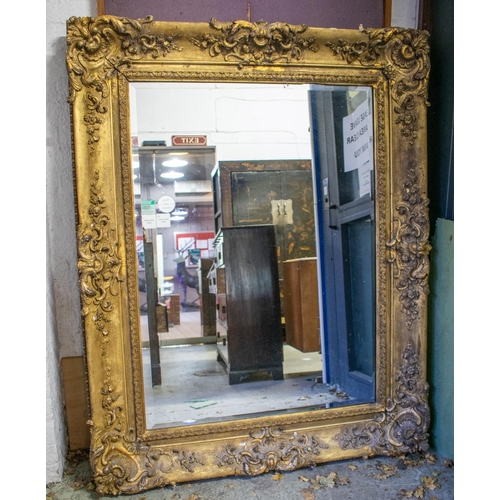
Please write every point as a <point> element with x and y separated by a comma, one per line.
<point>256,43</point>
<point>403,427</point>
<point>96,48</point>
<point>409,247</point>
<point>98,260</point>
<point>403,55</point>
<point>270,450</point>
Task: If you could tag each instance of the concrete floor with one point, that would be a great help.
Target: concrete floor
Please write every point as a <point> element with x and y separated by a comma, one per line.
<point>429,477</point>
<point>192,373</point>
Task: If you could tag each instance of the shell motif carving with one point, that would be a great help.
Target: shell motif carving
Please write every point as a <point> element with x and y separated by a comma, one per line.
<point>409,247</point>
<point>403,55</point>
<point>402,428</point>
<point>256,43</point>
<point>269,450</point>
<point>96,48</point>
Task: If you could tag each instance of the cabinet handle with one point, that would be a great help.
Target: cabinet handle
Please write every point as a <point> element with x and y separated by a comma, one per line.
<point>278,207</point>
<point>284,208</point>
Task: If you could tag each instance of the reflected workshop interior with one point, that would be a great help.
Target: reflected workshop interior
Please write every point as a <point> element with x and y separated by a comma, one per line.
<point>245,197</point>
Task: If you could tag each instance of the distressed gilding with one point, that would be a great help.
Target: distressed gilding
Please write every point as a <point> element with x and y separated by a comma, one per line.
<point>103,55</point>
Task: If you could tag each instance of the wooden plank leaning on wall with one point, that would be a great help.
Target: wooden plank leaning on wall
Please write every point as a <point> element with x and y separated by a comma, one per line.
<point>75,402</point>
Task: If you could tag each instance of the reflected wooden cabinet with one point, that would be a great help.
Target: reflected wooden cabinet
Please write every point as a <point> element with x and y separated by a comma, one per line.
<point>301,304</point>
<point>249,315</point>
<point>277,192</point>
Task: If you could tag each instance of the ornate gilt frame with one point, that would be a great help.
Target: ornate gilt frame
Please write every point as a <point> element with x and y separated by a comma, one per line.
<point>103,55</point>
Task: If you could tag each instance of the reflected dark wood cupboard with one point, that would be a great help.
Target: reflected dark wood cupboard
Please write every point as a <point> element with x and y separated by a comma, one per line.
<point>250,338</point>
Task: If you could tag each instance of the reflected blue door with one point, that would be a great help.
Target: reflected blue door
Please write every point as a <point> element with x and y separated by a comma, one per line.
<point>346,243</point>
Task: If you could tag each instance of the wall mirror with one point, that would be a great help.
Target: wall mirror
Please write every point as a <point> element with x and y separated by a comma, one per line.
<point>268,180</point>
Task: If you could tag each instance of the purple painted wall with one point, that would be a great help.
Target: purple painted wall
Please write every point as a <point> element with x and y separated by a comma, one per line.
<point>314,13</point>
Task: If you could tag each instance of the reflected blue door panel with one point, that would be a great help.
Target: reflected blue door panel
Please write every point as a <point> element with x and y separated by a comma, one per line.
<point>341,123</point>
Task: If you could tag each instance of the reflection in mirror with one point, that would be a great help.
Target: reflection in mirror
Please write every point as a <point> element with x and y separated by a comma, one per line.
<point>346,224</point>
<point>246,196</point>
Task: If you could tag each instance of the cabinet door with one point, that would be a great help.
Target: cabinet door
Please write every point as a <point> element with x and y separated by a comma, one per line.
<point>297,206</point>
<point>255,200</point>
<point>252,195</point>
<point>283,198</point>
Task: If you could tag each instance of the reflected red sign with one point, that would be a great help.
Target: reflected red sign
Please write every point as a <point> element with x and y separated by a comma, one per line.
<point>189,140</point>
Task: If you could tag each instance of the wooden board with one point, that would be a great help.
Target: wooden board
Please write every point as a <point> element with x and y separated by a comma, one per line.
<point>75,399</point>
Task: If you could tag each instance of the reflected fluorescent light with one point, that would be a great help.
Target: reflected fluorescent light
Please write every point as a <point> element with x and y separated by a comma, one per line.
<point>180,211</point>
<point>177,217</point>
<point>172,175</point>
<point>175,162</point>
<point>134,176</point>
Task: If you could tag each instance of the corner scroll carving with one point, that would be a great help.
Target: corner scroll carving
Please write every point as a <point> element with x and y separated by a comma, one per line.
<point>97,47</point>
<point>123,464</point>
<point>256,43</point>
<point>269,450</point>
<point>402,427</point>
<point>403,55</point>
<point>409,247</point>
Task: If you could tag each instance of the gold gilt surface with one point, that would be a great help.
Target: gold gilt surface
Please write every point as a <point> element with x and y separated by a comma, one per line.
<point>103,55</point>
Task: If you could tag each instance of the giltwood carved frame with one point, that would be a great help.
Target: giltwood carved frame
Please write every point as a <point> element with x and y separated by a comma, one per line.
<point>104,54</point>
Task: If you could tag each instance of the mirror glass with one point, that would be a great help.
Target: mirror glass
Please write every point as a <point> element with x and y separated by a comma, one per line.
<point>246,197</point>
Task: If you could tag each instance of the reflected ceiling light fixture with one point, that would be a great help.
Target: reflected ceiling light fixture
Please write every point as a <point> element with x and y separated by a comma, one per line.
<point>177,217</point>
<point>175,162</point>
<point>172,175</point>
<point>180,211</point>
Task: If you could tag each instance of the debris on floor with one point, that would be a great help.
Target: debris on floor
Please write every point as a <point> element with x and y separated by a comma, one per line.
<point>416,476</point>
<point>209,373</point>
<point>201,403</point>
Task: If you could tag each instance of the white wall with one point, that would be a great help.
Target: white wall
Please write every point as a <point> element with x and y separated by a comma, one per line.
<point>257,122</point>
<point>63,330</point>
